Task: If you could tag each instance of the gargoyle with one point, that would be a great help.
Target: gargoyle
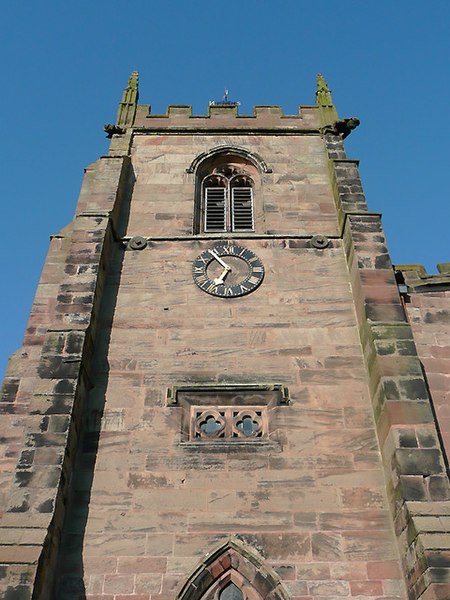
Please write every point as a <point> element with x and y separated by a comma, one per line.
<point>111,130</point>
<point>344,127</point>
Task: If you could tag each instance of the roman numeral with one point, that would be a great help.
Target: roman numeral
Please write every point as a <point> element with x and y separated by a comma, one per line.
<point>209,288</point>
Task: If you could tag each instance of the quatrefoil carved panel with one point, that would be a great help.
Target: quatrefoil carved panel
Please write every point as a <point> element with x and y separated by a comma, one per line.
<point>209,424</point>
<point>228,423</point>
<point>218,415</point>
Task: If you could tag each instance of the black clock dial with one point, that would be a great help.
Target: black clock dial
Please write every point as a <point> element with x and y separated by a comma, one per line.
<point>228,271</point>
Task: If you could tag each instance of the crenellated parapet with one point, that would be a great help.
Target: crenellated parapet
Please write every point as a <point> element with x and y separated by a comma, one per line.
<point>319,119</point>
<point>227,115</point>
<point>417,279</point>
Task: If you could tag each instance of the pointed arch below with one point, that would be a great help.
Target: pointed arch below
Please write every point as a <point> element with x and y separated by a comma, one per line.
<point>233,562</point>
<point>231,577</point>
<point>235,150</point>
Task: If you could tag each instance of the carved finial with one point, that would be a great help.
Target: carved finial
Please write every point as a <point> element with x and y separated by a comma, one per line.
<point>127,108</point>
<point>324,101</point>
<point>323,93</point>
<point>134,79</point>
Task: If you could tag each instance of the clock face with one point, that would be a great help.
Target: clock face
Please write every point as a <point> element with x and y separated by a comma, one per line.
<point>228,271</point>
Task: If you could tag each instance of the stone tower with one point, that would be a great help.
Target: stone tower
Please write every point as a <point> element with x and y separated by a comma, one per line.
<point>225,390</point>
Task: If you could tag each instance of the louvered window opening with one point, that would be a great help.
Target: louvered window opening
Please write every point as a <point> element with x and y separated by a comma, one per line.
<point>215,209</point>
<point>241,209</point>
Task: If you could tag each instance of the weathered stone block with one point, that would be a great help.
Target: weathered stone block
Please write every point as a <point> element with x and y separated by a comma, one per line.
<point>418,461</point>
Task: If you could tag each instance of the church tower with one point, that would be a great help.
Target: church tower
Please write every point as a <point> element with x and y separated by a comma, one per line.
<point>225,389</point>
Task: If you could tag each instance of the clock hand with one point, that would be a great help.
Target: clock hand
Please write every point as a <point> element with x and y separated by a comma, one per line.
<point>222,276</point>
<point>219,260</point>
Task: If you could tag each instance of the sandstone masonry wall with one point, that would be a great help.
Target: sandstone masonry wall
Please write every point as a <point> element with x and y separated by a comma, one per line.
<point>312,500</point>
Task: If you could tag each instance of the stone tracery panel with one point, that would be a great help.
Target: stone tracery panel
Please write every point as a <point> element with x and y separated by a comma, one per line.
<point>228,413</point>
<point>228,423</point>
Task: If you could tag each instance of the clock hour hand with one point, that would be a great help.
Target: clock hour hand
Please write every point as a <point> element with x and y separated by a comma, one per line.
<point>219,280</point>
<point>219,260</point>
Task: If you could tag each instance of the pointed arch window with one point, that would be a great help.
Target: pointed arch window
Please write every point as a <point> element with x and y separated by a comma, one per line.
<point>234,571</point>
<point>228,202</point>
<point>231,592</point>
<point>228,190</point>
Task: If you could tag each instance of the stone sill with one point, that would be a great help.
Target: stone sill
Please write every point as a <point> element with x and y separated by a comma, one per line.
<point>231,446</point>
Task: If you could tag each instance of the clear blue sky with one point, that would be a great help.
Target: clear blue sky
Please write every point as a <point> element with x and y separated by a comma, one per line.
<point>65,65</point>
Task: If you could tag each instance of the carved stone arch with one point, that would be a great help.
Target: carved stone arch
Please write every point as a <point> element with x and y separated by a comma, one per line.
<point>229,162</point>
<point>239,564</point>
<point>226,149</point>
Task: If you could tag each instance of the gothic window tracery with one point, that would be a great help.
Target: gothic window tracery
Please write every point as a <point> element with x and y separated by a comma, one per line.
<point>229,423</point>
<point>232,572</point>
<point>226,188</point>
<point>228,201</point>
<point>223,414</point>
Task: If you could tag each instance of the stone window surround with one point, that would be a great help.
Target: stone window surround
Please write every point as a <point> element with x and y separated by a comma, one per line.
<point>243,399</point>
<point>230,162</point>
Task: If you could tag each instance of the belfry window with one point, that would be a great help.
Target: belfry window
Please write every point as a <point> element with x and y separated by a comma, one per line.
<point>228,192</point>
<point>228,201</point>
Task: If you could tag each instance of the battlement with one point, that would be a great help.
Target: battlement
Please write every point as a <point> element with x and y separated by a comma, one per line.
<point>418,280</point>
<point>224,115</point>
<point>220,115</point>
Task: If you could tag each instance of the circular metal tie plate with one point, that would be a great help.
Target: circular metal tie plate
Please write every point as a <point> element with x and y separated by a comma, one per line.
<point>137,243</point>
<point>320,241</point>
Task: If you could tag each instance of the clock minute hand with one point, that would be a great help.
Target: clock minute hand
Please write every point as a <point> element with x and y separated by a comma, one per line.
<point>219,260</point>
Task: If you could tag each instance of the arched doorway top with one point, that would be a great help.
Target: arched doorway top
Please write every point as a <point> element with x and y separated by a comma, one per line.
<point>232,150</point>
<point>233,561</point>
